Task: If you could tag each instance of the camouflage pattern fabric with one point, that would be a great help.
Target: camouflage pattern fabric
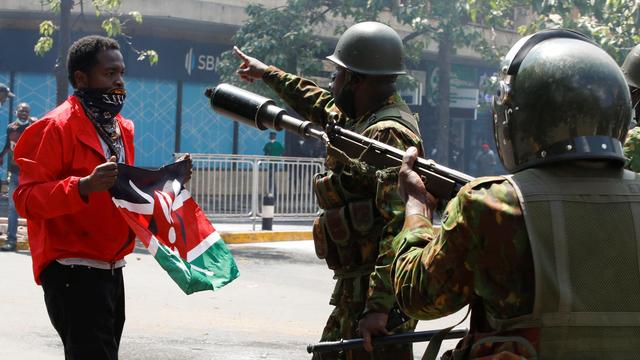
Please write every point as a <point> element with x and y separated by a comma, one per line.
<point>343,324</point>
<point>632,149</point>
<point>481,255</point>
<point>367,291</point>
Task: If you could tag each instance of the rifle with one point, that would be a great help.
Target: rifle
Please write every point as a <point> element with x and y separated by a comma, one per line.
<point>418,336</point>
<point>262,113</point>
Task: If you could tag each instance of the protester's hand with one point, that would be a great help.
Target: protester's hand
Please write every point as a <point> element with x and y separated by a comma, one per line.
<point>187,157</point>
<point>101,179</point>
<point>412,189</point>
<point>373,324</point>
<point>251,68</point>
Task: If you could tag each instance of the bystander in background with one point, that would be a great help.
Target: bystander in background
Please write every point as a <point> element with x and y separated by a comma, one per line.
<point>485,160</point>
<point>5,93</point>
<point>272,148</point>
<point>14,131</point>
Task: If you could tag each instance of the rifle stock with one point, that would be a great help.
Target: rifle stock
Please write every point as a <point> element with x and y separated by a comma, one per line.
<point>262,113</point>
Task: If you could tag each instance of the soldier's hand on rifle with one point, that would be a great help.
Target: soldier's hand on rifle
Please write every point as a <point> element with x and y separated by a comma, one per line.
<point>187,157</point>
<point>373,324</point>
<point>251,68</point>
<point>101,179</point>
<point>412,189</point>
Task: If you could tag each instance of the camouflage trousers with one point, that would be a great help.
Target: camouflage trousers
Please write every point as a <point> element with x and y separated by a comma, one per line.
<point>349,296</point>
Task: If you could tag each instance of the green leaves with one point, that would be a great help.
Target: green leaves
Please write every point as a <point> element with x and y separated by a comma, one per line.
<point>137,17</point>
<point>44,44</point>
<point>47,28</point>
<point>281,36</point>
<point>614,24</point>
<point>150,55</point>
<point>114,25</point>
<point>106,5</point>
<point>54,5</point>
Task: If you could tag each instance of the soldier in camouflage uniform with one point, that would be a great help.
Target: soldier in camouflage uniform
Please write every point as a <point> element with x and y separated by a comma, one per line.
<point>546,258</point>
<point>362,209</point>
<point>631,70</point>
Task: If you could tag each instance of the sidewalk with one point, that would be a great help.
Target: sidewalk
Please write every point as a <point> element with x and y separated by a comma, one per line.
<point>242,233</point>
<point>231,232</point>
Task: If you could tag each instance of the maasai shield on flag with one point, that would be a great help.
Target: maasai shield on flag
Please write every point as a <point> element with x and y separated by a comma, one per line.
<point>171,225</point>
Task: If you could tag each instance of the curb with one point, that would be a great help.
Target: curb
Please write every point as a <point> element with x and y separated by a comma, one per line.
<point>20,245</point>
<point>247,237</point>
<point>234,237</point>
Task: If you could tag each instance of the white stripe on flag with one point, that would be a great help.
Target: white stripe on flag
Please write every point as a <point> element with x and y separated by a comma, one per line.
<point>143,209</point>
<point>182,196</point>
<point>203,246</point>
<point>153,245</point>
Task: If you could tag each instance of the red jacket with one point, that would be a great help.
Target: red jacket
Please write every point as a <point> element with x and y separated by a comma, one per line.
<point>53,154</point>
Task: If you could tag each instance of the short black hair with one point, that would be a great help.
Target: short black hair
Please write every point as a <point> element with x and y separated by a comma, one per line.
<point>83,54</point>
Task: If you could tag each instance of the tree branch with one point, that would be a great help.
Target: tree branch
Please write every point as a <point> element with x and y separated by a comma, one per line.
<point>415,34</point>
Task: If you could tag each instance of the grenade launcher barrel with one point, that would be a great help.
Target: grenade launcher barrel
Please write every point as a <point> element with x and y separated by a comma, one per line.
<point>262,113</point>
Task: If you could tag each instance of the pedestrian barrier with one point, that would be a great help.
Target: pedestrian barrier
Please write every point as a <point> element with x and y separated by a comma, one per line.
<point>233,186</point>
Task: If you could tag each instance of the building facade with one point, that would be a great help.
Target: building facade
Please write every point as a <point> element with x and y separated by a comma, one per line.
<point>166,100</point>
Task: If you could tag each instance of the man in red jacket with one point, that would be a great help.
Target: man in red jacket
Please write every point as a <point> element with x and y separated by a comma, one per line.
<point>78,239</point>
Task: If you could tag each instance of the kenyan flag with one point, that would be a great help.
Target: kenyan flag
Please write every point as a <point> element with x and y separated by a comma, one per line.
<point>164,216</point>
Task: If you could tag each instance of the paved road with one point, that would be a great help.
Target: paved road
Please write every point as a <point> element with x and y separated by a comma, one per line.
<point>277,306</point>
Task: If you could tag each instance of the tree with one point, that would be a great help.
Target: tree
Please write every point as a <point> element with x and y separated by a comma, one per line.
<point>282,36</point>
<point>279,36</point>
<point>451,23</point>
<point>114,24</point>
<point>614,24</point>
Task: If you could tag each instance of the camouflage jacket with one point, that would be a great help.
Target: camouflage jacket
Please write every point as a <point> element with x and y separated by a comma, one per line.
<point>481,255</point>
<point>315,104</point>
<point>632,149</point>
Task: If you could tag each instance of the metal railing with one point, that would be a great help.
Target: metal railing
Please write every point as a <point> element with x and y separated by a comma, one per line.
<point>233,186</point>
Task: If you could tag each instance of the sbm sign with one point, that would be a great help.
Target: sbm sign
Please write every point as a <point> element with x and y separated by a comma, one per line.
<point>202,62</point>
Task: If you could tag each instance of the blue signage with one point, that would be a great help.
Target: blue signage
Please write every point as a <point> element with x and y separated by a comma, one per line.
<point>178,59</point>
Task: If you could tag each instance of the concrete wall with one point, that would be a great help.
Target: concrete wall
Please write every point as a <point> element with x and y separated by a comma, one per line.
<point>204,20</point>
<point>216,11</point>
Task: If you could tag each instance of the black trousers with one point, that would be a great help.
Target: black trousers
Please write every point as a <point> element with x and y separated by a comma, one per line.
<point>86,307</point>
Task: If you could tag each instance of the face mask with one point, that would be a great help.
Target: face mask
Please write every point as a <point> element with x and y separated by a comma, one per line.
<point>345,101</point>
<point>102,105</point>
<point>22,122</point>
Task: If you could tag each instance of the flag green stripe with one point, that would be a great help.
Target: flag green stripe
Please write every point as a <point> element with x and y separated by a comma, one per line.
<point>210,271</point>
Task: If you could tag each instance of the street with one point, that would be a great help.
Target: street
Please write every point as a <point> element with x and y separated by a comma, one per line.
<point>277,306</point>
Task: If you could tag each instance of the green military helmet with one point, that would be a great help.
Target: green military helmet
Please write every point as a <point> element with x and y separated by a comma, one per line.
<point>561,97</point>
<point>631,67</point>
<point>370,48</point>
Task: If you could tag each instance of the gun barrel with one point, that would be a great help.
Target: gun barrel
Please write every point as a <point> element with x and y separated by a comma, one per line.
<point>256,111</point>
<point>418,336</point>
<point>262,113</point>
